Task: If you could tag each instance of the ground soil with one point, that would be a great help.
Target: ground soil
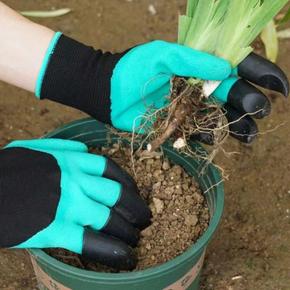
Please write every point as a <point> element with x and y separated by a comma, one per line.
<point>252,247</point>
<point>179,210</point>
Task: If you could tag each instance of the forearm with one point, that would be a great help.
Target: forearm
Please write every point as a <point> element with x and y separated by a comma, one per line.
<point>22,48</point>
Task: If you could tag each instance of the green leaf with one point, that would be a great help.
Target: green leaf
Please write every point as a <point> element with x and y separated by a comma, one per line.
<point>191,5</point>
<point>204,25</point>
<point>270,39</point>
<point>226,28</point>
<point>45,14</point>
<point>184,24</point>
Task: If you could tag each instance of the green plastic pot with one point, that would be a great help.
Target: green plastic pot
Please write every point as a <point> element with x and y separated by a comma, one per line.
<point>180,273</point>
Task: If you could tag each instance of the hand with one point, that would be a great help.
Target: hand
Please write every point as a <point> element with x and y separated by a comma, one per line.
<point>55,194</point>
<point>243,101</point>
<point>119,88</point>
<point>141,79</point>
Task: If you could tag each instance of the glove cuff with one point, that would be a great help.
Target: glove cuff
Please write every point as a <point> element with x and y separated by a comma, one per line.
<point>78,76</point>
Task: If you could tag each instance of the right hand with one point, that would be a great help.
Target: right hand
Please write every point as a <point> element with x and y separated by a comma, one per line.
<point>244,101</point>
<point>119,89</point>
<point>54,194</point>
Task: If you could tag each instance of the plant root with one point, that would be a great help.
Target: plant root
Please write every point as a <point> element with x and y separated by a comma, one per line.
<point>189,113</point>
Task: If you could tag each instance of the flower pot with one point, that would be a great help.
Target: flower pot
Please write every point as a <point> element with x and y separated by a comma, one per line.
<point>181,273</point>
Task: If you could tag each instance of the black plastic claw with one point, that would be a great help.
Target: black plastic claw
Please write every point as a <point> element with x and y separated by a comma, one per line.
<point>205,138</point>
<point>121,229</point>
<point>133,208</point>
<point>247,99</point>
<point>264,73</point>
<point>115,172</point>
<point>130,206</point>
<point>243,128</point>
<point>107,250</point>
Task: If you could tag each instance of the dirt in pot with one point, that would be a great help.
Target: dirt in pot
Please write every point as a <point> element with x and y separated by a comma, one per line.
<point>180,211</point>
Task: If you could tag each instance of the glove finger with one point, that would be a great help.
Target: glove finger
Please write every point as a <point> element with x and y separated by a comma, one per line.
<point>87,212</point>
<point>264,73</point>
<point>123,194</point>
<point>130,204</point>
<point>244,97</point>
<point>184,61</point>
<point>102,190</point>
<point>107,250</point>
<point>103,166</point>
<point>87,163</point>
<point>242,128</point>
<point>124,199</point>
<point>98,165</point>
<point>100,218</point>
<point>50,144</point>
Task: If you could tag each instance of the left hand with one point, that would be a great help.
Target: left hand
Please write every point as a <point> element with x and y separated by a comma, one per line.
<point>54,194</point>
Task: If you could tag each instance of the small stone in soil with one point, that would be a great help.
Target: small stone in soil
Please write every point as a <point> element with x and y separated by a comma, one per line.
<point>159,205</point>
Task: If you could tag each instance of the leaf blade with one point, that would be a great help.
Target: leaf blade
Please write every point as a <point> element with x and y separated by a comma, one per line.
<point>227,28</point>
<point>270,39</point>
<point>46,14</point>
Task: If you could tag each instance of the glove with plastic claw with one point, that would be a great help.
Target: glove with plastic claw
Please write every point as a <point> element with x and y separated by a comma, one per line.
<point>243,101</point>
<point>119,88</point>
<point>53,193</point>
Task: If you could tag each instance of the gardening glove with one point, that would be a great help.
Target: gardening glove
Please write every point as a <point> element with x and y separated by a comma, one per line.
<point>119,88</point>
<point>54,194</point>
<point>242,100</point>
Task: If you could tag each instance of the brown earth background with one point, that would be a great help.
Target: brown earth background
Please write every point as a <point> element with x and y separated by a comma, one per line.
<point>252,247</point>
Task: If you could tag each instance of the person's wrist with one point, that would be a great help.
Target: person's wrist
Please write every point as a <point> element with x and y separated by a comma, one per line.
<point>23,46</point>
